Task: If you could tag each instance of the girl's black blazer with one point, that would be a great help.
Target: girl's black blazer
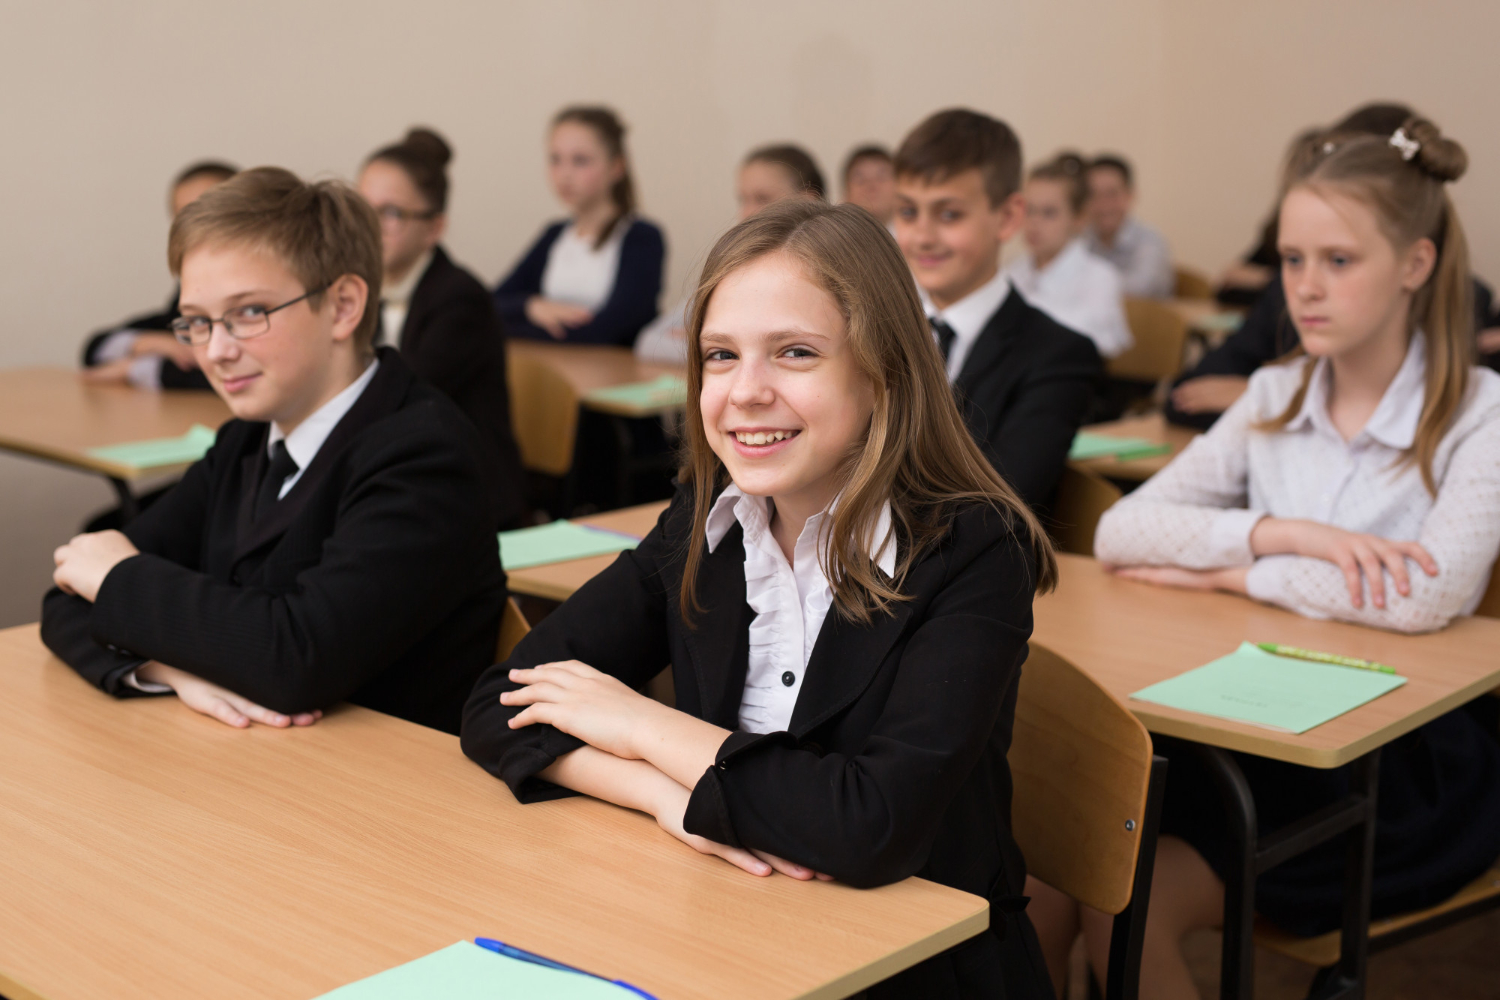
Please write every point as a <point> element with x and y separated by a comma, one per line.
<point>894,762</point>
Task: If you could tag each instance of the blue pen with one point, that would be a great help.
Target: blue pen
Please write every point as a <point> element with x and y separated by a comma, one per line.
<point>521,955</point>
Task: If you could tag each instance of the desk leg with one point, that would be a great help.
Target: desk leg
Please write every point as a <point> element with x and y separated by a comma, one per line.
<point>1237,968</point>
<point>1348,979</point>
<point>625,445</point>
<point>130,507</point>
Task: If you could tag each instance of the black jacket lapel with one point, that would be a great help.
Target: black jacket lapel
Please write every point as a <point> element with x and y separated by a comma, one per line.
<point>721,650</point>
<point>993,341</point>
<point>844,660</point>
<point>381,397</point>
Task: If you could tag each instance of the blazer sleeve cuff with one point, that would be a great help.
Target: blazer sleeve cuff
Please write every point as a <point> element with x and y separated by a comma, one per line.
<point>520,767</point>
<point>708,807</point>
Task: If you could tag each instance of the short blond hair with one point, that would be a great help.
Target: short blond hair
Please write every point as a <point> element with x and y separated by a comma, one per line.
<point>320,231</point>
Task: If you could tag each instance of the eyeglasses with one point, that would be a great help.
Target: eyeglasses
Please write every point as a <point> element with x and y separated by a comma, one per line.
<point>242,323</point>
<point>395,213</point>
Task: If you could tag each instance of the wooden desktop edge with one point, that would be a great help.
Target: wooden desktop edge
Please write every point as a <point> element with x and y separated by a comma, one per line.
<point>14,989</point>
<point>84,462</point>
<point>899,961</point>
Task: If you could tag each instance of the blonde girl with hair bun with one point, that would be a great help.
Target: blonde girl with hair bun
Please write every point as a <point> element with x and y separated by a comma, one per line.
<point>843,589</point>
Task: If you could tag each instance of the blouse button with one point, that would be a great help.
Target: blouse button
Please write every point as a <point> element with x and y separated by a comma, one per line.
<point>788,678</point>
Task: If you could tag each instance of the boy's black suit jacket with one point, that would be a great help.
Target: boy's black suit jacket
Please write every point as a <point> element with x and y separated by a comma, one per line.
<point>894,760</point>
<point>375,580</point>
<point>452,338</point>
<point>1024,390</point>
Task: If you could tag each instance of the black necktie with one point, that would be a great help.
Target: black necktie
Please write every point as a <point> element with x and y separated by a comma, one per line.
<point>281,466</point>
<point>945,336</point>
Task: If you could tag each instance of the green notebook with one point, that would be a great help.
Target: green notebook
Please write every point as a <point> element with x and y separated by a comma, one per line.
<point>1086,445</point>
<point>160,451</point>
<point>465,971</point>
<point>665,390</point>
<point>1278,692</point>
<point>558,542</point>
<point>1226,321</point>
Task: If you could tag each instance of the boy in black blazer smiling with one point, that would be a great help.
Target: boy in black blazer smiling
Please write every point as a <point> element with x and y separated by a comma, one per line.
<point>336,543</point>
<point>1023,381</point>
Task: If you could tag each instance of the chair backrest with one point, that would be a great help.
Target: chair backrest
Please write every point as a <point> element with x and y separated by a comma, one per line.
<point>1081,766</point>
<point>1160,334</point>
<point>1489,604</point>
<point>1082,498</point>
<point>1190,284</point>
<point>513,628</point>
<point>543,414</point>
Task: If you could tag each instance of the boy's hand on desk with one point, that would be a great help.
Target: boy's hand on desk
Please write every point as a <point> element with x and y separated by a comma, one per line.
<point>219,703</point>
<point>583,702</point>
<point>1361,557</point>
<point>1231,579</point>
<point>86,560</point>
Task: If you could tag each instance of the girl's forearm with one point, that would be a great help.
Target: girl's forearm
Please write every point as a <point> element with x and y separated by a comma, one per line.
<point>634,784</point>
<point>679,745</point>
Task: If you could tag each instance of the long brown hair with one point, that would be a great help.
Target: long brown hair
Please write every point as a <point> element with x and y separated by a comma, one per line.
<point>917,453</point>
<point>1403,178</point>
<point>611,132</point>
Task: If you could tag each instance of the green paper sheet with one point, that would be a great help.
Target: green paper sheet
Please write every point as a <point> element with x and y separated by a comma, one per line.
<point>160,451</point>
<point>1226,321</point>
<point>1086,445</point>
<point>465,971</point>
<point>665,390</point>
<point>1278,692</point>
<point>558,542</point>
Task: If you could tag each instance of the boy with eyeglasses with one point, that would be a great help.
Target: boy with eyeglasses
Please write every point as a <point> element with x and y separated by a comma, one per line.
<point>337,542</point>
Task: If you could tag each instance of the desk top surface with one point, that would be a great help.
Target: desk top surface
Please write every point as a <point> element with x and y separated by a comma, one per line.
<point>586,367</point>
<point>1151,427</point>
<point>154,853</point>
<point>557,581</point>
<point>51,413</point>
<point>1127,635</point>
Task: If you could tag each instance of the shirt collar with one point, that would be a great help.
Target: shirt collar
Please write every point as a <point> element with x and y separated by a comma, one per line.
<point>752,512</point>
<point>1394,422</point>
<point>400,292</point>
<point>304,441</point>
<point>969,314</point>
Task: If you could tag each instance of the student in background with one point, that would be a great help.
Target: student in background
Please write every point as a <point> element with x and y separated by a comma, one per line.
<point>594,277</point>
<point>1058,274</point>
<point>1023,381</point>
<point>843,588</point>
<point>142,351</point>
<point>870,182</point>
<point>1219,378</point>
<point>337,543</point>
<point>1355,482</point>
<point>1134,248</point>
<point>435,313</point>
<point>766,176</point>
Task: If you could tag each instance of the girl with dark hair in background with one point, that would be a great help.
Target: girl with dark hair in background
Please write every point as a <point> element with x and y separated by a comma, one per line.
<point>434,312</point>
<point>594,277</point>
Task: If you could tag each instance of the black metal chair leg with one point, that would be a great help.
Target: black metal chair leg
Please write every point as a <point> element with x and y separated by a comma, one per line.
<point>1237,974</point>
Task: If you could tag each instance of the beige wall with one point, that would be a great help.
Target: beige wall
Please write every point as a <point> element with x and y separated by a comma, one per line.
<point>103,102</point>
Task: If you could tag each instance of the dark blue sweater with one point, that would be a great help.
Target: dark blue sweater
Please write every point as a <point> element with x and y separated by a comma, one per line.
<point>631,303</point>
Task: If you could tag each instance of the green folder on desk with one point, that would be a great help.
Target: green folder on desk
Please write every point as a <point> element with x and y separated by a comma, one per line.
<point>1086,445</point>
<point>559,542</point>
<point>465,971</point>
<point>158,452</point>
<point>663,391</point>
<point>1276,692</point>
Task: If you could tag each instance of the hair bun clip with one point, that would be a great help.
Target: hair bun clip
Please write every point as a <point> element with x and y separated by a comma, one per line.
<point>1408,147</point>
<point>1328,148</point>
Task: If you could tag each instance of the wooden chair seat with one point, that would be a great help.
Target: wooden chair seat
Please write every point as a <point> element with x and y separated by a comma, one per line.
<point>513,628</point>
<point>1190,284</point>
<point>1160,335</point>
<point>1481,894</point>
<point>543,414</point>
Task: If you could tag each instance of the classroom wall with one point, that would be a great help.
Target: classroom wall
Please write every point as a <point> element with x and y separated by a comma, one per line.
<point>104,102</point>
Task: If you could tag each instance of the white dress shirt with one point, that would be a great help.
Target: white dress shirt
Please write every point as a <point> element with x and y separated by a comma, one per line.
<point>967,318</point>
<point>1199,511</point>
<point>790,602</point>
<point>578,273</point>
<point>395,300</point>
<point>1142,257</point>
<point>1079,290</point>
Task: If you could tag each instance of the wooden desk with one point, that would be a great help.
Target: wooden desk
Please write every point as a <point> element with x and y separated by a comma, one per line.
<point>1152,427</point>
<point>153,853</point>
<point>557,581</point>
<point>51,413</point>
<point>1205,318</point>
<point>586,367</point>
<point>1128,635</point>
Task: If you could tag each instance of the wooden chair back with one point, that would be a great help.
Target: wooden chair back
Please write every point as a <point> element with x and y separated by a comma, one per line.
<point>1081,766</point>
<point>513,628</point>
<point>1489,604</point>
<point>1160,334</point>
<point>1082,498</point>
<point>543,414</point>
<point>1190,284</point>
